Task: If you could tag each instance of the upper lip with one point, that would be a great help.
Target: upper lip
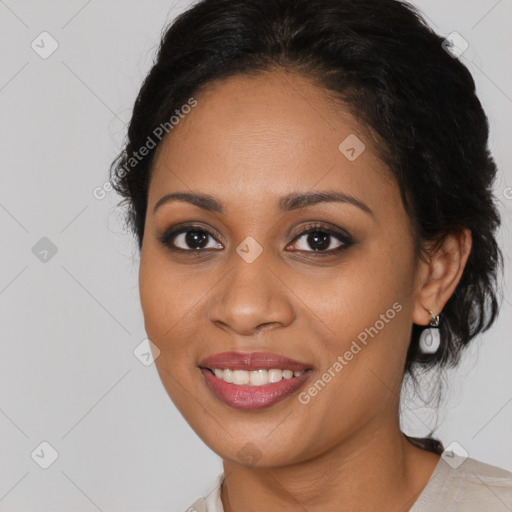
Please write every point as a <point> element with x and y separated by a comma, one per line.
<point>252,361</point>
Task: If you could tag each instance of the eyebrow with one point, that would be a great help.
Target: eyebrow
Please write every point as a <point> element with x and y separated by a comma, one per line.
<point>286,203</point>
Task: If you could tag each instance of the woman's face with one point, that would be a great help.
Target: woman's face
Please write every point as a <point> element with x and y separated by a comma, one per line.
<point>243,276</point>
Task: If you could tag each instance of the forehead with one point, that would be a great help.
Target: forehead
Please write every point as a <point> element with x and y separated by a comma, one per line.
<point>277,131</point>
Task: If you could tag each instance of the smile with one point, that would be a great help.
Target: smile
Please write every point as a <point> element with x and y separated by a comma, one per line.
<point>254,380</point>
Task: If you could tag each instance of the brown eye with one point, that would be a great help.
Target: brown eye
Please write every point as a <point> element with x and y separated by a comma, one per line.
<point>189,238</point>
<point>321,239</point>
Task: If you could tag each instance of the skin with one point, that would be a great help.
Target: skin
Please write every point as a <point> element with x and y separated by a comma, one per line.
<point>249,141</point>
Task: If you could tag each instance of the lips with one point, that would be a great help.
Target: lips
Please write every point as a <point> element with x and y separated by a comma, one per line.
<point>249,397</point>
<point>252,361</point>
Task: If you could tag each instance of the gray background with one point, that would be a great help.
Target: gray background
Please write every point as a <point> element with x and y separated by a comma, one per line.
<point>70,324</point>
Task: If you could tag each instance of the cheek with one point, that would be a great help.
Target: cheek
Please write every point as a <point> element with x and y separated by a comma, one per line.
<point>155,299</point>
<point>357,294</point>
<point>167,297</point>
<point>367,308</point>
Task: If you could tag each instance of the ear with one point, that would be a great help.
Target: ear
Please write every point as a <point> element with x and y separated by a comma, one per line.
<point>439,275</point>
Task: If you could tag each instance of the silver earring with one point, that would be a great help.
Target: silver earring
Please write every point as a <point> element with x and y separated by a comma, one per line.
<point>430,338</point>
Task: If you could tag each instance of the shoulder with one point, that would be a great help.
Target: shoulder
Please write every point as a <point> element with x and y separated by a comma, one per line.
<point>466,485</point>
<point>481,481</point>
<point>198,506</point>
<point>211,501</point>
<point>459,485</point>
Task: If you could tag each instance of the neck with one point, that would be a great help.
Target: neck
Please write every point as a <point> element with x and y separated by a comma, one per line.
<point>377,469</point>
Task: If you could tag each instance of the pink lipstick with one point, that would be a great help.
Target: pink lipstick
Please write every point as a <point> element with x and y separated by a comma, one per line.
<point>253,380</point>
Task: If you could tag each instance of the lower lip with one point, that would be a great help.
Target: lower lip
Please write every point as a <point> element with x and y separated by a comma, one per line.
<point>253,397</point>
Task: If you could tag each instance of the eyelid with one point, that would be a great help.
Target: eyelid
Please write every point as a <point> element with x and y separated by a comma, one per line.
<point>324,227</point>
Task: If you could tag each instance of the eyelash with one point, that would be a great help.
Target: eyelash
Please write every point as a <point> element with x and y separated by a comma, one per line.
<point>344,238</point>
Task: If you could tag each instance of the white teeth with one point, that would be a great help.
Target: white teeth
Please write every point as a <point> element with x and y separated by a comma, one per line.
<point>275,375</point>
<point>258,377</point>
<point>240,377</point>
<point>255,377</point>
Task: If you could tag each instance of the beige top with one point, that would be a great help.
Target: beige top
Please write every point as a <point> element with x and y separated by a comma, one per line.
<point>456,485</point>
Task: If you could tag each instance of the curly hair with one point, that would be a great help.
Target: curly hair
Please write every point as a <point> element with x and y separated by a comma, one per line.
<point>394,74</point>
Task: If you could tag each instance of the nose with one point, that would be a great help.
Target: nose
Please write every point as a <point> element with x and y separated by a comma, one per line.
<point>250,298</point>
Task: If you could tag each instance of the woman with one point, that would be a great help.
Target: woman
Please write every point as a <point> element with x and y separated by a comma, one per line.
<point>310,186</point>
